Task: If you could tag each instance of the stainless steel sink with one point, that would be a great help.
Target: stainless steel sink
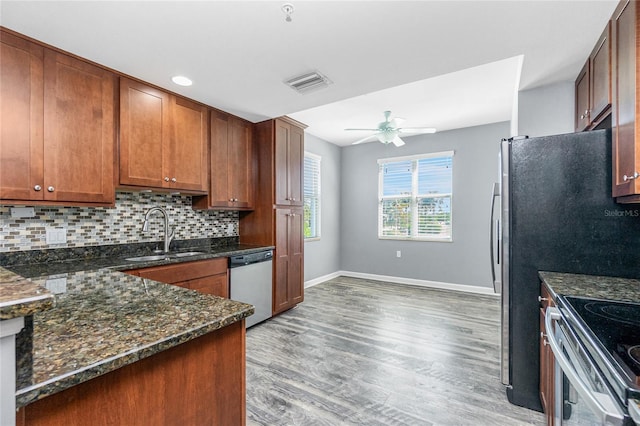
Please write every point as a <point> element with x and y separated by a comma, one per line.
<point>188,253</point>
<point>163,256</point>
<point>148,258</point>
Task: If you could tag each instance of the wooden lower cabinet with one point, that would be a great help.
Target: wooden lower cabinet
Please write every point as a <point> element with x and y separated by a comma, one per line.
<point>197,383</point>
<point>206,276</point>
<point>288,286</point>
<point>547,360</point>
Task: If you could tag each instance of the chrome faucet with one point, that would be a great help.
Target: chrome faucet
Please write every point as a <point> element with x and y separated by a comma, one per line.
<point>168,232</point>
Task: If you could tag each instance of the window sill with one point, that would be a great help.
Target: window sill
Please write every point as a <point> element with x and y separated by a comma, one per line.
<point>312,239</point>
<point>433,240</point>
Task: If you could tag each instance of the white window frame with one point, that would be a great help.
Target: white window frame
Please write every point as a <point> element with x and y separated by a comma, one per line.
<point>318,228</point>
<point>414,197</point>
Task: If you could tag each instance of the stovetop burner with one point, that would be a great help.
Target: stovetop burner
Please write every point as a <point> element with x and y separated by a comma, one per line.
<point>616,325</point>
<point>634,354</point>
<point>623,313</point>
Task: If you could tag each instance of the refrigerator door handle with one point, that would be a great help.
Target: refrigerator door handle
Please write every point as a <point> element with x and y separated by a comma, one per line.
<point>492,239</point>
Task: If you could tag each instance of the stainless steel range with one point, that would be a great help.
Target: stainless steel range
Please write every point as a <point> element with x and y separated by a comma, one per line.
<point>596,344</point>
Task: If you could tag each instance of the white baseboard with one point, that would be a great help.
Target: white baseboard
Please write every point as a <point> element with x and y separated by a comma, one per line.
<point>321,279</point>
<point>400,280</point>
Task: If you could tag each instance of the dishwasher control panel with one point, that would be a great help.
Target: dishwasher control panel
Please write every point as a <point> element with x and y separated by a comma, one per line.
<point>247,259</point>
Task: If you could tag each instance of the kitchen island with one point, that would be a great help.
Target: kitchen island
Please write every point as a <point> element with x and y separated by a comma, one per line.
<point>121,349</point>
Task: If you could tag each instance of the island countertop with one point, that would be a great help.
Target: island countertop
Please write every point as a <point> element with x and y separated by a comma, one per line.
<point>103,319</point>
<point>592,286</point>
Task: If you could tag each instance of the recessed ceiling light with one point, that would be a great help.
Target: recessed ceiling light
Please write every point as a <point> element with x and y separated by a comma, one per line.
<point>181,80</point>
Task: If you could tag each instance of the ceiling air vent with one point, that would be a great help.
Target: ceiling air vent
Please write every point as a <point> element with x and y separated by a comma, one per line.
<point>308,82</point>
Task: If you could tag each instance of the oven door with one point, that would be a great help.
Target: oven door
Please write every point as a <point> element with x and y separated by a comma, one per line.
<point>582,396</point>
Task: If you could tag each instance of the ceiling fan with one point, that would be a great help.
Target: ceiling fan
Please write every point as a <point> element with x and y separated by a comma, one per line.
<point>388,131</point>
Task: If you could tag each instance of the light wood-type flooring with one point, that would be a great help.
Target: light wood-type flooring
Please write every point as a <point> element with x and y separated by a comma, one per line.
<point>362,352</point>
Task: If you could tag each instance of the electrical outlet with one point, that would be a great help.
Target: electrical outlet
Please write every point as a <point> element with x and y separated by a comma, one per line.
<point>398,253</point>
<point>56,235</point>
<point>56,285</point>
<point>22,212</point>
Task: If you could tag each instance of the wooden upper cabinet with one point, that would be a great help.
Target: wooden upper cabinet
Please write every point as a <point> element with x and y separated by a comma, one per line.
<point>79,130</point>
<point>58,129</point>
<point>593,85</point>
<point>289,160</point>
<point>21,119</point>
<point>232,179</point>
<point>600,76</point>
<point>582,99</point>
<point>625,29</point>
<point>163,139</point>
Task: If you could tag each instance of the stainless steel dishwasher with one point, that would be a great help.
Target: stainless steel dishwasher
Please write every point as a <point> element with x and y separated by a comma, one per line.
<point>250,282</point>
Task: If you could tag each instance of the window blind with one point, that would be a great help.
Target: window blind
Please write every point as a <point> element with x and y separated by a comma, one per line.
<point>415,197</point>
<point>311,195</point>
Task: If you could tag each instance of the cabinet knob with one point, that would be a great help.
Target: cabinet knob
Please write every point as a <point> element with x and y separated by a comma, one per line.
<point>174,180</point>
<point>37,188</point>
<point>166,178</point>
<point>51,189</point>
<point>541,299</point>
<point>293,199</point>
<point>628,178</point>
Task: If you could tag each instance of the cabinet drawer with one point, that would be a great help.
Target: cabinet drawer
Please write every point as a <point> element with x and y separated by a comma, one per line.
<point>185,271</point>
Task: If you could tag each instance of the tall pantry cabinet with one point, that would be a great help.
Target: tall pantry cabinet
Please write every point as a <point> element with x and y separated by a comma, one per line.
<point>278,216</point>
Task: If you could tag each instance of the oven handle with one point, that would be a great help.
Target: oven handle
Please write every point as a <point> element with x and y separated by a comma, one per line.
<point>609,418</point>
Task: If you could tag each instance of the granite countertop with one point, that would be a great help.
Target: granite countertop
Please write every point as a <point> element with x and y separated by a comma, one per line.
<point>20,297</point>
<point>102,318</point>
<point>592,286</point>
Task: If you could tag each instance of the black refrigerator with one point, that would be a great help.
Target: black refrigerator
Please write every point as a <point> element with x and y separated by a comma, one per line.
<point>556,214</point>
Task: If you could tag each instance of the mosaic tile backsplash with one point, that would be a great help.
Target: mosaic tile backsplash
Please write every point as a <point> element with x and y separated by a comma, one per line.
<point>94,226</point>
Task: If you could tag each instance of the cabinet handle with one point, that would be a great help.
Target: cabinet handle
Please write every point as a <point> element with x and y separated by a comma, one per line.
<point>174,180</point>
<point>627,178</point>
<point>51,189</point>
<point>541,299</point>
<point>37,188</point>
<point>544,339</point>
<point>166,178</point>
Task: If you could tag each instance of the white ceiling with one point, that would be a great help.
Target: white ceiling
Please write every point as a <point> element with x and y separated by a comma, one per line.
<point>443,64</point>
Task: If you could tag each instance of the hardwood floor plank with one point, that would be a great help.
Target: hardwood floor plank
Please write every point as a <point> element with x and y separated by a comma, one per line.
<point>363,352</point>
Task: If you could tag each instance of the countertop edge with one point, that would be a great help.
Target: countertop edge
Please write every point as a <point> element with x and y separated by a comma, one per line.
<point>41,390</point>
<point>21,297</point>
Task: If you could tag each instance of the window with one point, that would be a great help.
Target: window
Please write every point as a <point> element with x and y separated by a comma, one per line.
<point>415,197</point>
<point>311,196</point>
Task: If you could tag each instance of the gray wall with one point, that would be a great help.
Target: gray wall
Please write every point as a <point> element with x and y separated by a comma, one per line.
<point>547,110</point>
<point>322,257</point>
<point>465,260</point>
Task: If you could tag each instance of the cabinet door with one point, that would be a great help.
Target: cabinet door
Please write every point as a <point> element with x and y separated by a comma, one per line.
<point>289,160</point>
<point>21,119</point>
<point>186,162</point>
<point>218,285</point>
<point>600,75</point>
<point>296,259</point>
<point>295,165</point>
<point>582,99</point>
<point>626,155</point>
<point>288,288</point>
<point>240,164</point>
<point>281,159</point>
<point>144,130</point>
<point>79,131</point>
<point>281,300</point>
<point>218,190</point>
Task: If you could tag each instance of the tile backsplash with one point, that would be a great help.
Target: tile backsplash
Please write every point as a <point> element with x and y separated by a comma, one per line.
<point>93,226</point>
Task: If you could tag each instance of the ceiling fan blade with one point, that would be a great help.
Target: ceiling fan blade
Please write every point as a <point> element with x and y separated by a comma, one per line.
<point>397,141</point>
<point>363,130</point>
<point>363,140</point>
<point>417,130</point>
